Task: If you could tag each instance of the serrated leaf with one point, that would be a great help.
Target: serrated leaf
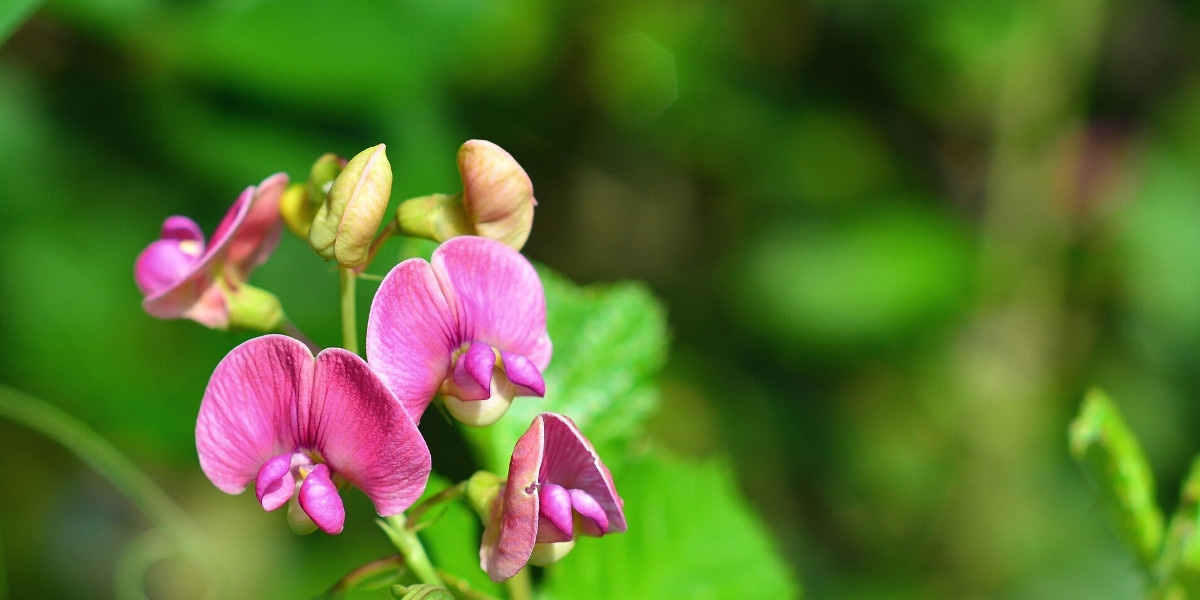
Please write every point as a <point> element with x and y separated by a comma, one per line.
<point>690,536</point>
<point>609,341</point>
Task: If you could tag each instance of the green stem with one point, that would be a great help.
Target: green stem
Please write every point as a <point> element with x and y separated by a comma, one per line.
<point>388,231</point>
<point>409,545</point>
<point>519,586</point>
<point>106,460</point>
<point>348,277</point>
<point>354,578</point>
<point>451,493</point>
<point>462,589</point>
<point>288,328</point>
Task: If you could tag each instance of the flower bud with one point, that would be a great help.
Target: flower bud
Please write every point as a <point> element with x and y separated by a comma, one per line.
<point>348,219</point>
<point>496,202</point>
<point>301,200</point>
<point>252,308</point>
<point>482,489</point>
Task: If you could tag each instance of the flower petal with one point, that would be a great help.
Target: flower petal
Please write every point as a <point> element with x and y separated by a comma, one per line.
<point>161,265</point>
<point>472,373</point>
<point>248,413</point>
<point>253,233</point>
<point>554,513</point>
<point>523,374</point>
<point>363,433</point>
<point>586,505</point>
<point>495,295</point>
<point>275,483</point>
<point>572,462</point>
<point>411,335</point>
<point>320,500</point>
<point>182,229</point>
<point>509,536</point>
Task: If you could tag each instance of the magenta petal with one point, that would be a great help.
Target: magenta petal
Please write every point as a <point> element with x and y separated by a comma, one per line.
<point>522,373</point>
<point>182,229</point>
<point>410,335</point>
<point>275,483</point>
<point>586,505</point>
<point>472,373</point>
<point>572,462</point>
<point>363,433</point>
<point>320,500</point>
<point>496,296</point>
<point>509,537</point>
<point>162,264</point>
<point>248,413</point>
<point>259,231</point>
<point>555,508</point>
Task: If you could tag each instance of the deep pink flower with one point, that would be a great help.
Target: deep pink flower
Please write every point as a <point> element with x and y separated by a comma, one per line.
<point>182,277</point>
<point>557,489</point>
<point>274,415</point>
<point>471,324</point>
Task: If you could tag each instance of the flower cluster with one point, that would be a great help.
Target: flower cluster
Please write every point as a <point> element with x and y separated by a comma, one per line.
<point>467,329</point>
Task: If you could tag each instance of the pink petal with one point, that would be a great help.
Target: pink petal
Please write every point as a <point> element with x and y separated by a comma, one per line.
<point>521,372</point>
<point>163,264</point>
<point>572,462</point>
<point>554,516</point>
<point>246,236</point>
<point>363,433</point>
<point>320,500</point>
<point>509,537</point>
<point>182,229</point>
<point>472,373</point>
<point>248,413</point>
<point>584,504</point>
<point>275,483</point>
<point>259,231</point>
<point>410,335</point>
<point>495,295</point>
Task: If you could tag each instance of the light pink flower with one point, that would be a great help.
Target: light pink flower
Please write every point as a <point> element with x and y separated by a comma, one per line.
<point>557,489</point>
<point>181,276</point>
<point>471,324</point>
<point>274,415</point>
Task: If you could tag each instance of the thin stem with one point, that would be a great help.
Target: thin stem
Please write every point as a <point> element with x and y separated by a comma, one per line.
<point>409,545</point>
<point>106,460</point>
<point>347,277</point>
<point>388,231</point>
<point>520,586</point>
<point>354,578</point>
<point>451,493</point>
<point>461,588</point>
<point>290,329</point>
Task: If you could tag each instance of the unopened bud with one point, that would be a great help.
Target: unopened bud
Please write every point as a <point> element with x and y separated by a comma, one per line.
<point>301,200</point>
<point>347,221</point>
<point>496,202</point>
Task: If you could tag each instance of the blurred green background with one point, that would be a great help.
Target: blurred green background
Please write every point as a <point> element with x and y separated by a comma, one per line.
<point>897,241</point>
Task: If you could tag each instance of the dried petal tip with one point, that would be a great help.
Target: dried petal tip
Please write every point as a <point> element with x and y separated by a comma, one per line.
<point>347,221</point>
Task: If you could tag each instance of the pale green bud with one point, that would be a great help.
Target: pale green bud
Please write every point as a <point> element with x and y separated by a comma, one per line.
<point>347,221</point>
<point>301,200</point>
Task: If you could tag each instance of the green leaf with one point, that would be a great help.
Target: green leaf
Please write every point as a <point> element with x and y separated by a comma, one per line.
<point>609,341</point>
<point>1111,454</point>
<point>421,591</point>
<point>453,538</point>
<point>690,536</point>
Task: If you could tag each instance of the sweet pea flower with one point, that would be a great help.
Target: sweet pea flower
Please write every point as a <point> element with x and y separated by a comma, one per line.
<point>496,202</point>
<point>182,277</point>
<point>470,324</point>
<point>273,415</point>
<point>557,489</point>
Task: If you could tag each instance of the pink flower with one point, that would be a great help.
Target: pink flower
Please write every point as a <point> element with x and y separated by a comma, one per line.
<point>557,489</point>
<point>273,415</point>
<point>181,277</point>
<point>471,324</point>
